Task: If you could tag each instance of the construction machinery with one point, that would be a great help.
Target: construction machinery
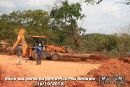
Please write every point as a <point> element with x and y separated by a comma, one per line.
<point>49,51</point>
<point>53,52</point>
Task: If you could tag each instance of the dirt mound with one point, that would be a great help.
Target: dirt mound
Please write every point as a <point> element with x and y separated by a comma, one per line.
<point>111,68</point>
<point>126,59</point>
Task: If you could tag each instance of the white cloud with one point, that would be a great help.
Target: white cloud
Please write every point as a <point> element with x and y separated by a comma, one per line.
<point>107,17</point>
<point>111,9</point>
<point>35,2</point>
<point>6,4</point>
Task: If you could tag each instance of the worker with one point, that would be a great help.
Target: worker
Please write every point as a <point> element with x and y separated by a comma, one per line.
<point>21,46</point>
<point>39,49</point>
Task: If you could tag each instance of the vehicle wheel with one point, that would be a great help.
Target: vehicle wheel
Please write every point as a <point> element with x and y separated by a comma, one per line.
<point>55,57</point>
<point>34,55</point>
<point>43,55</point>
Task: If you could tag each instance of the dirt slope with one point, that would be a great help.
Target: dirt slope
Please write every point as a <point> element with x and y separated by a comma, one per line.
<point>111,68</point>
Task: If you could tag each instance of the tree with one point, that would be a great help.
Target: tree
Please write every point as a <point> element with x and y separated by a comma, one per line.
<point>64,18</point>
<point>36,22</point>
<point>93,1</point>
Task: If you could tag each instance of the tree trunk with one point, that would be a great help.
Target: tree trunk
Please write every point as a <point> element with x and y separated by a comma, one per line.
<point>75,38</point>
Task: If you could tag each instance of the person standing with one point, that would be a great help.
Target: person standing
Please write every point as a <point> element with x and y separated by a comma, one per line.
<point>39,49</point>
<point>21,45</point>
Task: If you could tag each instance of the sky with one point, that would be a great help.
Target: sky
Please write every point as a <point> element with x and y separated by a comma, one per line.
<point>107,18</point>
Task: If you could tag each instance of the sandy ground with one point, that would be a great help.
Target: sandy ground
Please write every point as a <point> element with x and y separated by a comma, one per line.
<point>8,68</point>
<point>48,68</point>
<point>112,67</point>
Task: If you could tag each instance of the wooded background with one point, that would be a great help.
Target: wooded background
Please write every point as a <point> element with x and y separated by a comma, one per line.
<point>61,28</point>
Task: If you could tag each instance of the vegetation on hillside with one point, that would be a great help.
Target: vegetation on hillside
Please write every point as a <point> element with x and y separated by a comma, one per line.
<point>61,28</point>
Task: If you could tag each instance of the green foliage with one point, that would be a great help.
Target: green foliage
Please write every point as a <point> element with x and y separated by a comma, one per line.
<point>64,19</point>
<point>92,1</point>
<point>36,22</point>
<point>111,43</point>
<point>60,26</point>
<point>100,42</point>
<point>66,15</point>
<point>118,45</point>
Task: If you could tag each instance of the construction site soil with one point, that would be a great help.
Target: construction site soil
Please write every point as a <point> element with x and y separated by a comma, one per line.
<point>89,68</point>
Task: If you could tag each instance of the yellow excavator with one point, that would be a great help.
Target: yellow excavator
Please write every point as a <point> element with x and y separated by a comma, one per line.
<point>49,51</point>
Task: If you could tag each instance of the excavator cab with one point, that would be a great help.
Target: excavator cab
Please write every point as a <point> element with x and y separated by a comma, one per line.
<point>38,41</point>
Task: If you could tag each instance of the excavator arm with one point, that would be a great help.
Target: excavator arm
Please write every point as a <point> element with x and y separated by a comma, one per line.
<point>16,43</point>
<point>24,45</point>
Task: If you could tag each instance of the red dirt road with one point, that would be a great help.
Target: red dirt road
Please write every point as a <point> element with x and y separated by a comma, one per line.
<point>9,68</point>
<point>111,67</point>
<point>49,68</point>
